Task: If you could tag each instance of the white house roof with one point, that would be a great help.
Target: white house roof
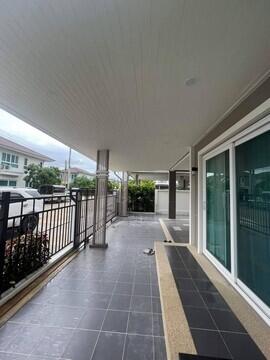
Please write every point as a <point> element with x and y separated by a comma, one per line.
<point>145,79</point>
<point>12,146</point>
<point>76,170</point>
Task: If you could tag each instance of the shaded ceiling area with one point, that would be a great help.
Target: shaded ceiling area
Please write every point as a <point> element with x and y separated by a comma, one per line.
<point>145,79</point>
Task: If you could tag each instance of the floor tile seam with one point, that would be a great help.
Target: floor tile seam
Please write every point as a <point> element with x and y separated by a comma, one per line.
<point>210,308</point>
<point>75,306</point>
<point>94,348</point>
<point>68,342</point>
<point>125,340</point>
<point>219,330</point>
<point>123,310</point>
<point>205,306</point>
<point>81,328</point>
<point>26,354</point>
<point>55,327</point>
<point>80,291</point>
<point>200,291</point>
<point>102,308</point>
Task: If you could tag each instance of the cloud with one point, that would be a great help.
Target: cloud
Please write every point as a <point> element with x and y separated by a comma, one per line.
<point>25,134</point>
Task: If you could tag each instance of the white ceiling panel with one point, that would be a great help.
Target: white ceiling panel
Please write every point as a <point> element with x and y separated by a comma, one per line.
<point>111,73</point>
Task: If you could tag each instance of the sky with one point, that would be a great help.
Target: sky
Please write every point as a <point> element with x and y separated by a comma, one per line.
<point>19,131</point>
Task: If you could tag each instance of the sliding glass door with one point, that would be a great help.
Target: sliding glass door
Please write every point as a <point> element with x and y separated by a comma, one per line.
<point>218,208</point>
<point>236,211</point>
<point>253,214</point>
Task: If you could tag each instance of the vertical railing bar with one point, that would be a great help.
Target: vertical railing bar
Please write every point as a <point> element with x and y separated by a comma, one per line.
<point>46,227</point>
<point>11,245</point>
<point>57,225</point>
<point>5,201</point>
<point>41,230</point>
<point>59,228</point>
<point>71,235</point>
<point>63,225</point>
<point>25,234</point>
<point>67,222</point>
<point>54,230</point>
<point>86,218</point>
<point>32,246</point>
<point>51,230</point>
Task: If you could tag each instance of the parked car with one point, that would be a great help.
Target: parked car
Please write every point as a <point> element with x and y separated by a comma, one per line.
<point>23,212</point>
<point>53,193</point>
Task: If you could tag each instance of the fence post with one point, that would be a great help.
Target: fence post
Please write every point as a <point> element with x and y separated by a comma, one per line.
<point>77,221</point>
<point>116,204</point>
<point>86,216</point>
<point>3,233</point>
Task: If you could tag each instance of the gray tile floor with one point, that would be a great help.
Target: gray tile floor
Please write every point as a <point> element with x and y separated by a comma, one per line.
<point>104,305</point>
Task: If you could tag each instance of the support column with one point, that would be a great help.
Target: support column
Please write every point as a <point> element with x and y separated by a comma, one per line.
<point>172,194</point>
<point>124,194</point>
<point>100,203</point>
<point>192,197</point>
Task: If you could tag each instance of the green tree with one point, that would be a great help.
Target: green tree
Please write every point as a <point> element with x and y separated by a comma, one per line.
<point>37,175</point>
<point>141,197</point>
<point>83,182</point>
<point>113,185</point>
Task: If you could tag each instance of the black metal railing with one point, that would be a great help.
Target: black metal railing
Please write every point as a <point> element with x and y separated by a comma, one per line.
<point>83,224</point>
<point>33,230</point>
<point>255,215</point>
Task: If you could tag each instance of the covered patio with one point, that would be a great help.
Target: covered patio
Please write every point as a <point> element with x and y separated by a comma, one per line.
<point>146,86</point>
<point>124,304</point>
<point>102,305</point>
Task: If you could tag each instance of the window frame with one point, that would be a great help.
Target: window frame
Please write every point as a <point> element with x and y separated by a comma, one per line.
<point>13,181</point>
<point>7,159</point>
<point>219,150</point>
<point>6,181</point>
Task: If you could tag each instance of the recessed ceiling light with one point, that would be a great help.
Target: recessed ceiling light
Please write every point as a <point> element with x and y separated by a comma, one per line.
<point>191,81</point>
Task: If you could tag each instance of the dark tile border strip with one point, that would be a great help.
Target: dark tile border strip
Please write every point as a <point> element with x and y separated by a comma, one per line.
<point>182,237</point>
<point>215,329</point>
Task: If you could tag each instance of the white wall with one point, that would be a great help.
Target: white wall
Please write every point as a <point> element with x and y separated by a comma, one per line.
<point>162,202</point>
<point>13,173</point>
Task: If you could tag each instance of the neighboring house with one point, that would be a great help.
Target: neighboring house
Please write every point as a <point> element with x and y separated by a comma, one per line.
<point>14,161</point>
<point>73,173</point>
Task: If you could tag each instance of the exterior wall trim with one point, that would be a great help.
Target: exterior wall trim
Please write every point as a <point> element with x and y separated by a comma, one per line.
<point>255,95</point>
<point>253,117</point>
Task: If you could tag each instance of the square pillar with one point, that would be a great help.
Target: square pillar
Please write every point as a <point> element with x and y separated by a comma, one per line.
<point>192,197</point>
<point>100,202</point>
<point>172,194</point>
<point>124,194</point>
